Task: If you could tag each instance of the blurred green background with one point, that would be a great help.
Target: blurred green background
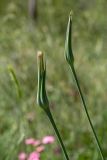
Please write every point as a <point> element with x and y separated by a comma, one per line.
<point>20,39</point>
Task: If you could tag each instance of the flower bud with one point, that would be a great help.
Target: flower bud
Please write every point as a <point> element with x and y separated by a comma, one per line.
<point>68,46</point>
<point>42,99</point>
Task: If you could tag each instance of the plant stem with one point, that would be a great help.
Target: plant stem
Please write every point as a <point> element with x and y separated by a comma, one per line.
<point>57,133</point>
<point>88,116</point>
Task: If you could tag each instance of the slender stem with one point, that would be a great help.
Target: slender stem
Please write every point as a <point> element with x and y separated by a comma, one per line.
<point>57,133</point>
<point>88,116</point>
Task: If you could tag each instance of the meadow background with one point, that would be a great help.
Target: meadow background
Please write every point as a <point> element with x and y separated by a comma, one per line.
<point>20,39</point>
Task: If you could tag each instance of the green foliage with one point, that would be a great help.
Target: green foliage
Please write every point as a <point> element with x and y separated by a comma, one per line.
<point>19,41</point>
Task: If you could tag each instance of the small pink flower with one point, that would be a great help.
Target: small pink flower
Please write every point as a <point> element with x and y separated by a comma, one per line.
<point>34,156</point>
<point>22,156</point>
<point>40,149</point>
<point>36,143</point>
<point>29,141</point>
<point>48,139</point>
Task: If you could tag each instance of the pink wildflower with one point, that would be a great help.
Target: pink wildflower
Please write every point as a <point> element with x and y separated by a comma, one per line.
<point>29,141</point>
<point>22,156</point>
<point>34,156</point>
<point>40,149</point>
<point>36,143</point>
<point>48,139</point>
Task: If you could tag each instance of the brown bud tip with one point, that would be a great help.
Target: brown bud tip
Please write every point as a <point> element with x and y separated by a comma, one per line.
<point>39,54</point>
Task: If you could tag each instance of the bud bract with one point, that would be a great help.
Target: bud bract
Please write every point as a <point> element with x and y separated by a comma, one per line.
<point>42,99</point>
<point>68,46</point>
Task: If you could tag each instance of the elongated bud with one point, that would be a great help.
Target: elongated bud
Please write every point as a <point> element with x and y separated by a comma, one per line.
<point>42,99</point>
<point>68,45</point>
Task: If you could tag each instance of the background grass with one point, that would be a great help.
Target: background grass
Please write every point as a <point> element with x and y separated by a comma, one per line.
<point>20,39</point>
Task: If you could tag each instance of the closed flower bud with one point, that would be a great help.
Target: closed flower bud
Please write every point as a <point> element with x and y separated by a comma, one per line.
<point>68,45</point>
<point>42,99</point>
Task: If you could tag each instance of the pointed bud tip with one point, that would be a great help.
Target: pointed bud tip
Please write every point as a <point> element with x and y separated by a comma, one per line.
<point>39,54</point>
<point>71,15</point>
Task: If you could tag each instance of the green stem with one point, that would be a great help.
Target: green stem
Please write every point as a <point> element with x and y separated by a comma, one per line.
<point>57,133</point>
<point>88,116</point>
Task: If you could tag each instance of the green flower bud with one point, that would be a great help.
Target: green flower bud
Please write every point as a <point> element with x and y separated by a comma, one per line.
<point>42,99</point>
<point>68,46</point>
